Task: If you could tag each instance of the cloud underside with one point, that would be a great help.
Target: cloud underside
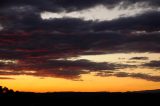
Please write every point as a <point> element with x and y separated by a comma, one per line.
<point>132,75</point>
<point>36,43</point>
<point>73,69</point>
<point>139,58</point>
<point>153,64</point>
<point>56,68</point>
<point>6,78</point>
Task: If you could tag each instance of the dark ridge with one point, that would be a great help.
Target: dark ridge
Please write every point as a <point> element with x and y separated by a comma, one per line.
<point>79,98</point>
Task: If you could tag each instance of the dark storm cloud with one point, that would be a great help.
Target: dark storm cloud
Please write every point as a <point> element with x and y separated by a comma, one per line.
<point>132,75</point>
<point>70,37</point>
<point>26,35</point>
<point>46,45</point>
<point>57,5</point>
<point>148,21</point>
<point>153,64</point>
<point>27,17</point>
<point>72,5</point>
<point>139,58</point>
<point>25,20</point>
<point>35,42</point>
<point>57,68</point>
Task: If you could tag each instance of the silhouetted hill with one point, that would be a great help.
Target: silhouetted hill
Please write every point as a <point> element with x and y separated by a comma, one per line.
<point>148,91</point>
<point>81,98</point>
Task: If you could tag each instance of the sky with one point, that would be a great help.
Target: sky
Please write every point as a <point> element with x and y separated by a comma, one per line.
<point>80,45</point>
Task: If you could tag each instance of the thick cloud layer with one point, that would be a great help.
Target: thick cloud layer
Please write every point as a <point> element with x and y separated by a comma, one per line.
<point>148,21</point>
<point>50,45</point>
<point>72,5</point>
<point>36,43</point>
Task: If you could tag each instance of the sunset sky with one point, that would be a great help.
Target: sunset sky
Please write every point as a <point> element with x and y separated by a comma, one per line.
<point>80,45</point>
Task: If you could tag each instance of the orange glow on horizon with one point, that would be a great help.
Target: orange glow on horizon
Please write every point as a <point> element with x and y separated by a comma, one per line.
<point>90,83</point>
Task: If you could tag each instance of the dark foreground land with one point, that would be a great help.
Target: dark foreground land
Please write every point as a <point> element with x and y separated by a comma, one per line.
<point>79,98</point>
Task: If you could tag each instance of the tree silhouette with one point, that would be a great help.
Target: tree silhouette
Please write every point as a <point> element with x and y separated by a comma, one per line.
<point>1,90</point>
<point>5,90</point>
